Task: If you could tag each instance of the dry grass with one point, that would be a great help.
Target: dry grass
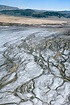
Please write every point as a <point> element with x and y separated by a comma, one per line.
<point>30,21</point>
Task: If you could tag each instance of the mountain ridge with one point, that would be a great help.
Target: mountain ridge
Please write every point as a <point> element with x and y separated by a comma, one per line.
<point>5,7</point>
<point>15,11</point>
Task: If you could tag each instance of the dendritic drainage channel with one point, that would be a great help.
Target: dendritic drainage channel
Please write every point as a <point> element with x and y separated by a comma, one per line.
<point>36,71</point>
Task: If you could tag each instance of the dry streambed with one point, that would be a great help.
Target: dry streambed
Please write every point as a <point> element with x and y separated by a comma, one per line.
<point>34,67</point>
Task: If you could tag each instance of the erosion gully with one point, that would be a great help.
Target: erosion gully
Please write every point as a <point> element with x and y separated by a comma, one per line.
<point>34,66</point>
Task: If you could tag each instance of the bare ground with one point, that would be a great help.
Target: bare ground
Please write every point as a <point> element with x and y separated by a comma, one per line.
<point>4,19</point>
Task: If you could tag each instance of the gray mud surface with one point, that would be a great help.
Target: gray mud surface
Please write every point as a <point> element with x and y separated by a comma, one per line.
<point>34,66</point>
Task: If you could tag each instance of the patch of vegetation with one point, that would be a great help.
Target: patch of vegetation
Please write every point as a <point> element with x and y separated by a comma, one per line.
<point>34,13</point>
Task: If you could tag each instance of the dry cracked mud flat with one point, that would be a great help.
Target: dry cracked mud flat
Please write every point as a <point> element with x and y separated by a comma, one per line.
<point>34,66</point>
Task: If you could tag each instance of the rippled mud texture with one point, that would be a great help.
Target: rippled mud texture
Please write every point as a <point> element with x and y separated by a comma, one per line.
<point>36,71</point>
